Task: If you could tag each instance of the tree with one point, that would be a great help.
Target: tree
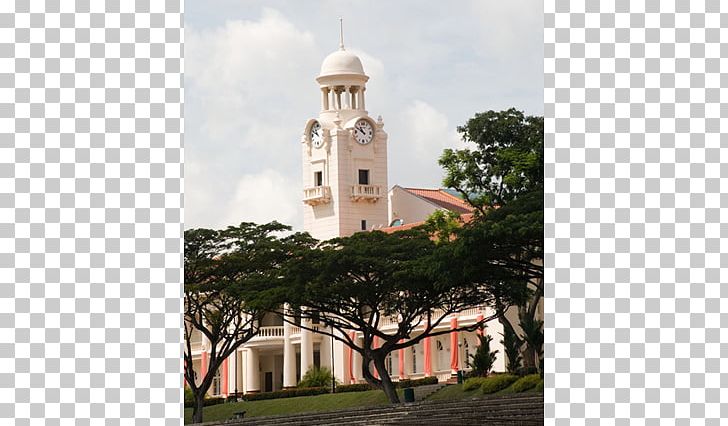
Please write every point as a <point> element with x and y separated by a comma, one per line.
<point>502,178</point>
<point>231,279</point>
<point>483,359</point>
<point>511,349</point>
<point>508,160</point>
<point>355,283</point>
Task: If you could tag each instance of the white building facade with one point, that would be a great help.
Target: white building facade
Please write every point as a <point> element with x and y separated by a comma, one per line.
<point>344,154</point>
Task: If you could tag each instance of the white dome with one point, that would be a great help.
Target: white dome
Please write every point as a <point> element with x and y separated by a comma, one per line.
<point>341,62</point>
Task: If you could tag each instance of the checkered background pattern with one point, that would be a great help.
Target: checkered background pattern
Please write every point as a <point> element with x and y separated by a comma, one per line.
<point>636,212</point>
<point>90,212</point>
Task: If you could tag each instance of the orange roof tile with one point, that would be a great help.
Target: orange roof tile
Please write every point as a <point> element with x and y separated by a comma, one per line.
<point>441,198</point>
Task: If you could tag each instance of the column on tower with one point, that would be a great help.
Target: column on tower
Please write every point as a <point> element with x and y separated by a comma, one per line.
<point>324,98</point>
<point>354,95</point>
<point>289,355</point>
<point>252,371</point>
<point>361,98</point>
<point>306,345</point>
<point>347,97</point>
<point>337,91</point>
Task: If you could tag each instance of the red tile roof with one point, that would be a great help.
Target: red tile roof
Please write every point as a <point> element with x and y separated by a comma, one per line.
<point>442,199</point>
<point>465,218</point>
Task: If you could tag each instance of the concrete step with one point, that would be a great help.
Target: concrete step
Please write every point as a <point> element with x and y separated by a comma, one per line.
<point>505,409</point>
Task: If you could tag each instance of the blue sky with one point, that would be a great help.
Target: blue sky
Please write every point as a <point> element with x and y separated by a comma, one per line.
<point>249,89</point>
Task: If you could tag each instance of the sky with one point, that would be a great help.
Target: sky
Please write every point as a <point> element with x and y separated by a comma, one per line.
<point>250,69</point>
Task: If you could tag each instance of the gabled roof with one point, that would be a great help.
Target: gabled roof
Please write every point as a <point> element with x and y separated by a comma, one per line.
<point>465,218</point>
<point>442,199</point>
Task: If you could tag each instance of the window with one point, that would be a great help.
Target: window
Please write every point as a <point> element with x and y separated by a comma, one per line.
<point>318,178</point>
<point>363,225</point>
<point>363,177</point>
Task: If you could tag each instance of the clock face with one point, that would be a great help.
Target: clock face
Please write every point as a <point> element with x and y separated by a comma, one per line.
<point>363,132</point>
<point>317,134</point>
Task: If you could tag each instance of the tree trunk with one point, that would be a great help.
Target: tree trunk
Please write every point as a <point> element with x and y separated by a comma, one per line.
<point>197,408</point>
<point>387,384</point>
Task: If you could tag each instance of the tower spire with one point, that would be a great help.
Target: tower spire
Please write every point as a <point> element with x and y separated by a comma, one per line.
<point>341,33</point>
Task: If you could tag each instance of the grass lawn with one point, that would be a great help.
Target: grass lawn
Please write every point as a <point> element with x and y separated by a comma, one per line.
<point>457,392</point>
<point>300,404</point>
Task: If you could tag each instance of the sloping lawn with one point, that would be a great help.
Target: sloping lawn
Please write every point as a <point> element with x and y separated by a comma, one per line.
<point>300,404</point>
<point>457,392</point>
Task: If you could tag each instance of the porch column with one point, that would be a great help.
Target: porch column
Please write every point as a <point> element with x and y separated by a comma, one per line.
<point>289,356</point>
<point>454,349</point>
<point>428,357</point>
<point>375,344</point>
<point>408,367</point>
<point>252,371</point>
<point>203,365</point>
<point>224,377</point>
<point>400,362</point>
<point>306,347</point>
<point>350,360</point>
<point>356,362</point>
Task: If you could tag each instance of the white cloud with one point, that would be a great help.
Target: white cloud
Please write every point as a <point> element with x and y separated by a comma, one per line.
<point>262,198</point>
<point>422,136</point>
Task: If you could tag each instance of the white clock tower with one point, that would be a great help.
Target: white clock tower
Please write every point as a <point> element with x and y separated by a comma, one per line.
<point>344,155</point>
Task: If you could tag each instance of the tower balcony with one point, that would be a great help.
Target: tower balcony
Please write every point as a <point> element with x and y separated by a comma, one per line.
<point>316,195</point>
<point>369,193</point>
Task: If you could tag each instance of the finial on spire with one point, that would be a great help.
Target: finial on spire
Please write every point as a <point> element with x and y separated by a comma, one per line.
<point>341,33</point>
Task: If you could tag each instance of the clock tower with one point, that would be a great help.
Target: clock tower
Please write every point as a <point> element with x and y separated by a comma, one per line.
<point>344,155</point>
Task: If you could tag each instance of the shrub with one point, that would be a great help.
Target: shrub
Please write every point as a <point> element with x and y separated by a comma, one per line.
<point>209,400</point>
<point>411,383</point>
<point>511,349</point>
<point>527,371</point>
<point>357,387</point>
<point>525,383</point>
<point>286,393</point>
<point>539,386</point>
<point>189,396</point>
<point>473,383</point>
<point>483,359</point>
<point>316,377</point>
<point>498,382</point>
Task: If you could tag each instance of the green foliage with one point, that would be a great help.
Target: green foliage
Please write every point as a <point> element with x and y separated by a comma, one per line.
<point>511,348</point>
<point>483,359</point>
<point>231,278</point>
<point>287,393</point>
<point>507,161</point>
<point>473,383</point>
<point>525,383</point>
<point>497,382</point>
<point>539,386</point>
<point>533,336</point>
<point>412,383</point>
<point>356,387</point>
<point>209,400</point>
<point>355,282</point>
<point>189,397</point>
<point>316,377</point>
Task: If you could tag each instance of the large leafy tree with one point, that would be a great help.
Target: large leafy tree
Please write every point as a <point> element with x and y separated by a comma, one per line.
<point>501,175</point>
<point>355,283</point>
<point>506,158</point>
<point>231,278</point>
